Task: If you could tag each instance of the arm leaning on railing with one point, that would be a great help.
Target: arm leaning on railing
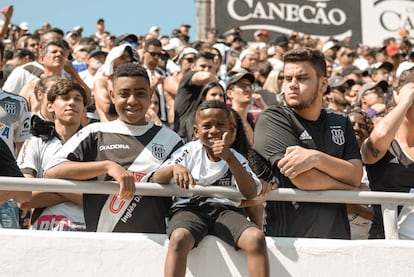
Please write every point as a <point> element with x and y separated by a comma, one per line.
<point>388,200</point>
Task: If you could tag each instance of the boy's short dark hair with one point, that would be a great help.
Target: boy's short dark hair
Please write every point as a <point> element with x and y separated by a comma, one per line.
<point>131,70</point>
<point>205,55</point>
<point>313,56</point>
<point>214,104</point>
<point>152,41</point>
<point>63,87</point>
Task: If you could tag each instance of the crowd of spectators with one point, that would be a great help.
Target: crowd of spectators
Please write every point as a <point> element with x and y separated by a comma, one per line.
<point>369,84</point>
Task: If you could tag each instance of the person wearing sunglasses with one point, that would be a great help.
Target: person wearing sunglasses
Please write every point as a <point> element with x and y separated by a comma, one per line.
<point>185,60</point>
<point>151,55</point>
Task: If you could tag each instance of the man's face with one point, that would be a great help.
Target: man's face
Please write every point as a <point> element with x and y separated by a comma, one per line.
<point>360,127</point>
<point>241,92</point>
<point>54,57</point>
<point>250,61</point>
<point>131,97</point>
<point>203,64</point>
<point>301,86</point>
<point>33,45</point>
<point>187,61</point>
<point>152,56</point>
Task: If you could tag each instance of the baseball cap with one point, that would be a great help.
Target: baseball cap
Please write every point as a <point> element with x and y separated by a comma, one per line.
<point>174,44</point>
<point>337,81</point>
<point>24,26</point>
<point>328,45</point>
<point>126,37</point>
<point>185,51</point>
<point>237,77</point>
<point>97,52</point>
<point>392,50</point>
<point>281,40</point>
<point>245,52</point>
<point>350,69</point>
<point>386,65</point>
<point>381,84</point>
<point>406,65</point>
<point>261,33</point>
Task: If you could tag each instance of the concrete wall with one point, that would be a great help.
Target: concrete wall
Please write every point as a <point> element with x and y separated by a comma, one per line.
<point>42,253</point>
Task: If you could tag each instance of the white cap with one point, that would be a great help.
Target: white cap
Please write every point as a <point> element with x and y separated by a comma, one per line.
<point>24,26</point>
<point>174,44</point>
<point>328,45</point>
<point>154,29</point>
<point>403,67</point>
<point>185,51</point>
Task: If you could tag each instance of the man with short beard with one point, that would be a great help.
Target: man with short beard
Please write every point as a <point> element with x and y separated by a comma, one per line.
<point>304,146</point>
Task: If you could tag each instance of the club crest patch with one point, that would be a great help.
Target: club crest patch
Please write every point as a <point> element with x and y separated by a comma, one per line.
<point>338,136</point>
<point>158,151</point>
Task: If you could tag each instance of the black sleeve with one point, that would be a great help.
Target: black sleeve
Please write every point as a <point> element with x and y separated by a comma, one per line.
<point>273,134</point>
<point>352,150</point>
<point>8,164</point>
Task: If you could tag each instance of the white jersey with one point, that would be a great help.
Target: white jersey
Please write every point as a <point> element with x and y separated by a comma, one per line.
<point>22,75</point>
<point>14,119</point>
<point>32,159</point>
<point>193,156</point>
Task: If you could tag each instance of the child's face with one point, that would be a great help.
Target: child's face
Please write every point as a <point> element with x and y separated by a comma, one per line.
<point>215,93</point>
<point>211,124</point>
<point>131,97</point>
<point>68,108</point>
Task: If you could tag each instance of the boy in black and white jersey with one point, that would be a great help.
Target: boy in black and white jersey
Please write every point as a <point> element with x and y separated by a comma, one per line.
<point>124,150</point>
<point>209,161</point>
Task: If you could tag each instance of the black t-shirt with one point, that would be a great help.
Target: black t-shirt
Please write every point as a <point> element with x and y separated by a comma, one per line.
<point>276,129</point>
<point>185,105</point>
<point>393,173</point>
<point>8,165</point>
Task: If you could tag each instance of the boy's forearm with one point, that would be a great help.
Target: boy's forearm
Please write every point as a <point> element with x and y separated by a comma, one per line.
<point>163,175</point>
<point>78,170</point>
<point>244,180</point>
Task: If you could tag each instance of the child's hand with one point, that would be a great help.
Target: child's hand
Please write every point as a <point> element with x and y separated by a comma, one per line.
<point>267,188</point>
<point>221,148</point>
<point>125,179</point>
<point>183,177</point>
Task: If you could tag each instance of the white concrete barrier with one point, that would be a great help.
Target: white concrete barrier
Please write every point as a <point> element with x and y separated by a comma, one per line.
<point>43,253</point>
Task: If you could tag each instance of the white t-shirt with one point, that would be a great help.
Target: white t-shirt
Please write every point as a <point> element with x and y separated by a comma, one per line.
<point>32,159</point>
<point>193,156</point>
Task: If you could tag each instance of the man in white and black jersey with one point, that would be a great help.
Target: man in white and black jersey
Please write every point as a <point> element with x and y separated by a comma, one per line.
<point>306,147</point>
<point>126,150</point>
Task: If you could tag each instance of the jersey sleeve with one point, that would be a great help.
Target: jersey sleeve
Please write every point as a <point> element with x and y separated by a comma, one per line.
<point>246,166</point>
<point>272,135</point>
<point>22,128</point>
<point>78,148</point>
<point>29,158</point>
<point>352,150</point>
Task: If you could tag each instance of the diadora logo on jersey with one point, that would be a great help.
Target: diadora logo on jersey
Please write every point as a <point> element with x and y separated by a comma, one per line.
<point>394,161</point>
<point>338,136</point>
<point>10,108</point>
<point>158,151</point>
<point>305,136</point>
<point>117,146</point>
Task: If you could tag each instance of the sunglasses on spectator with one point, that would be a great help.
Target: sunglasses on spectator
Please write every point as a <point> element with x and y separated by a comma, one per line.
<point>190,60</point>
<point>155,54</point>
<point>244,85</point>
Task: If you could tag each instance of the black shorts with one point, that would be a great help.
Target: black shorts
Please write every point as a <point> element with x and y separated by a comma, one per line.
<point>222,221</point>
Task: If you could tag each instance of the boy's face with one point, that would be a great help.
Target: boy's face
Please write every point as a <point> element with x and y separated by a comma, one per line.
<point>211,124</point>
<point>68,108</point>
<point>131,97</point>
